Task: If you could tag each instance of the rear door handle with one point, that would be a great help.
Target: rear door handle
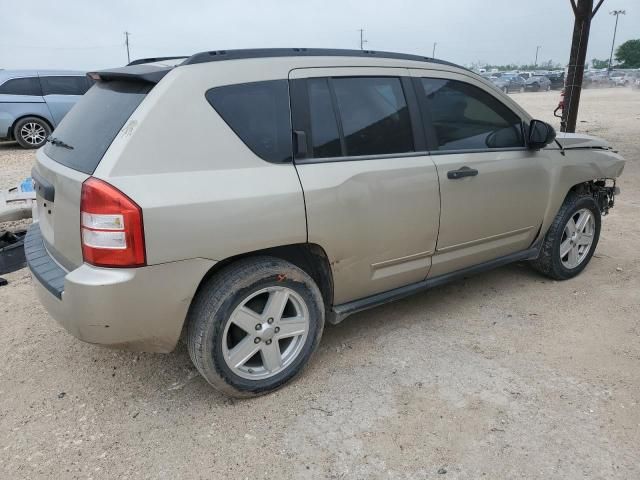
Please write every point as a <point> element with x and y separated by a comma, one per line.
<point>462,172</point>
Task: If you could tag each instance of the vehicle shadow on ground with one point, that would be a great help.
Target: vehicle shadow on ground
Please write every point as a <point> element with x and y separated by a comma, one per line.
<point>10,146</point>
<point>158,376</point>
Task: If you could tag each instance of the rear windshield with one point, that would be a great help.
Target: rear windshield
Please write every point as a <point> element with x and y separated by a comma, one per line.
<point>94,122</point>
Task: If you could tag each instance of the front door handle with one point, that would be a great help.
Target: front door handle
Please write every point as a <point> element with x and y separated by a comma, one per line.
<point>462,172</point>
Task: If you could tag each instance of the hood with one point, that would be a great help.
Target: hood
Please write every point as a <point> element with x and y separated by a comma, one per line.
<point>580,140</point>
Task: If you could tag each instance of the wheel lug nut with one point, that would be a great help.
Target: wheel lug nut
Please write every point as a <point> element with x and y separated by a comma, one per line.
<point>256,340</point>
<point>270,320</point>
<point>268,342</point>
<point>277,329</point>
<point>258,327</point>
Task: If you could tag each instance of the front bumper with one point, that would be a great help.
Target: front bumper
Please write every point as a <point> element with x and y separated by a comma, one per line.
<point>139,309</point>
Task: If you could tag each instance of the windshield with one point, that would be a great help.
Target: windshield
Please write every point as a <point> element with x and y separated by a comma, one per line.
<point>85,133</point>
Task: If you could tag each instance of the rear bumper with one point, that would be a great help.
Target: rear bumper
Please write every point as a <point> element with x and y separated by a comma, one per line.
<point>139,309</point>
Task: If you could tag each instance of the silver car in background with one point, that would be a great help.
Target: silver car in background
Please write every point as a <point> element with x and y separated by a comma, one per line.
<point>33,102</point>
<point>537,82</point>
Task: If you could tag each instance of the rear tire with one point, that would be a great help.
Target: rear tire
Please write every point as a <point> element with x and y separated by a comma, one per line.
<point>563,255</point>
<point>31,132</point>
<point>237,342</point>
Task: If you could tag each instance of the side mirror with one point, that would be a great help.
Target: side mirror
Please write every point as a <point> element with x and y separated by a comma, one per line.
<point>541,134</point>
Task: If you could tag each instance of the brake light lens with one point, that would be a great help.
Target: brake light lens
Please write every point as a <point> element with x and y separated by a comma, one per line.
<point>111,227</point>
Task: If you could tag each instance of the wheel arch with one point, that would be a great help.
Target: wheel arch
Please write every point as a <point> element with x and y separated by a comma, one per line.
<point>309,257</point>
<point>594,188</point>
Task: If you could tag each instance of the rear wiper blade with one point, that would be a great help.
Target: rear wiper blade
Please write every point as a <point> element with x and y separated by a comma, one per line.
<point>58,143</point>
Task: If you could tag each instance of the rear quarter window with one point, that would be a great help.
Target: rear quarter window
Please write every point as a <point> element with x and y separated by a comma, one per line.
<point>258,113</point>
<point>21,86</point>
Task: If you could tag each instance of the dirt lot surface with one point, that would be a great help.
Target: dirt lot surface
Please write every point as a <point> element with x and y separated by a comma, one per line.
<point>502,375</point>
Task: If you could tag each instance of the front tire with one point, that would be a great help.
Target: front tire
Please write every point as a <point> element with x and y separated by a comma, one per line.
<point>571,240</point>
<point>254,326</point>
<point>31,132</point>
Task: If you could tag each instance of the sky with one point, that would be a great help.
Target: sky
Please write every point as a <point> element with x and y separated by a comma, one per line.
<point>89,34</point>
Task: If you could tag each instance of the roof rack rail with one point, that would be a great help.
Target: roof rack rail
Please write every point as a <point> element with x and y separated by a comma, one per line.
<point>155,59</point>
<point>219,55</point>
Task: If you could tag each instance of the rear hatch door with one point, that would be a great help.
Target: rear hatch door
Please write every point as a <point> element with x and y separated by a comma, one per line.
<point>75,149</point>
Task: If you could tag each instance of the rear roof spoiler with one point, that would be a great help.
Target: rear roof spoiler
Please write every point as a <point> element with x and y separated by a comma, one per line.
<point>134,73</point>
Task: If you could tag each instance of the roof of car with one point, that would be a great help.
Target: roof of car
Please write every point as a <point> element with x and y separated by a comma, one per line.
<point>5,74</point>
<point>153,70</point>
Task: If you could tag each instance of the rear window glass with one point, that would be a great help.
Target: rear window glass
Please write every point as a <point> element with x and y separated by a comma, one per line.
<point>21,86</point>
<point>374,115</point>
<point>64,85</point>
<point>94,122</point>
<point>258,113</point>
<point>324,126</point>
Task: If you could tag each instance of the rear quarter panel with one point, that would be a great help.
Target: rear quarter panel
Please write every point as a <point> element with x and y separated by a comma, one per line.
<point>203,192</point>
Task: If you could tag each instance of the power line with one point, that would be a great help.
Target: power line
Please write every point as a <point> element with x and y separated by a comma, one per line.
<point>45,47</point>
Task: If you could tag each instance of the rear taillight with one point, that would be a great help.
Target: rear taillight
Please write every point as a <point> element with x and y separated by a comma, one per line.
<point>111,227</point>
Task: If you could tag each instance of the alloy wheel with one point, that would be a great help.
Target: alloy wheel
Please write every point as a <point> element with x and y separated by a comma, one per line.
<point>33,133</point>
<point>577,238</point>
<point>265,333</point>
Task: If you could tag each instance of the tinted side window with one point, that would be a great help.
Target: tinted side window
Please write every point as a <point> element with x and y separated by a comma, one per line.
<point>21,86</point>
<point>70,85</point>
<point>374,115</point>
<point>259,114</point>
<point>324,127</point>
<point>465,117</point>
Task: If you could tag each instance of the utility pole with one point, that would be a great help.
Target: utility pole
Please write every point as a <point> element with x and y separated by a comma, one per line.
<point>362,40</point>
<point>583,12</point>
<point>433,54</point>
<point>535,64</point>
<point>126,42</point>
<point>616,13</point>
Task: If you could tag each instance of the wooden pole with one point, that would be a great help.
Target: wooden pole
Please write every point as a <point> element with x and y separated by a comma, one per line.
<point>583,12</point>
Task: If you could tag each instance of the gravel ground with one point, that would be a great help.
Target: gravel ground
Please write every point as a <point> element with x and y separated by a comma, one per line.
<point>502,375</point>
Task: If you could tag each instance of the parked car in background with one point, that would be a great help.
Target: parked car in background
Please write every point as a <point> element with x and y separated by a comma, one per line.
<point>600,79</point>
<point>33,102</point>
<point>537,82</point>
<point>509,82</point>
<point>556,79</point>
<point>620,79</point>
<point>307,188</point>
